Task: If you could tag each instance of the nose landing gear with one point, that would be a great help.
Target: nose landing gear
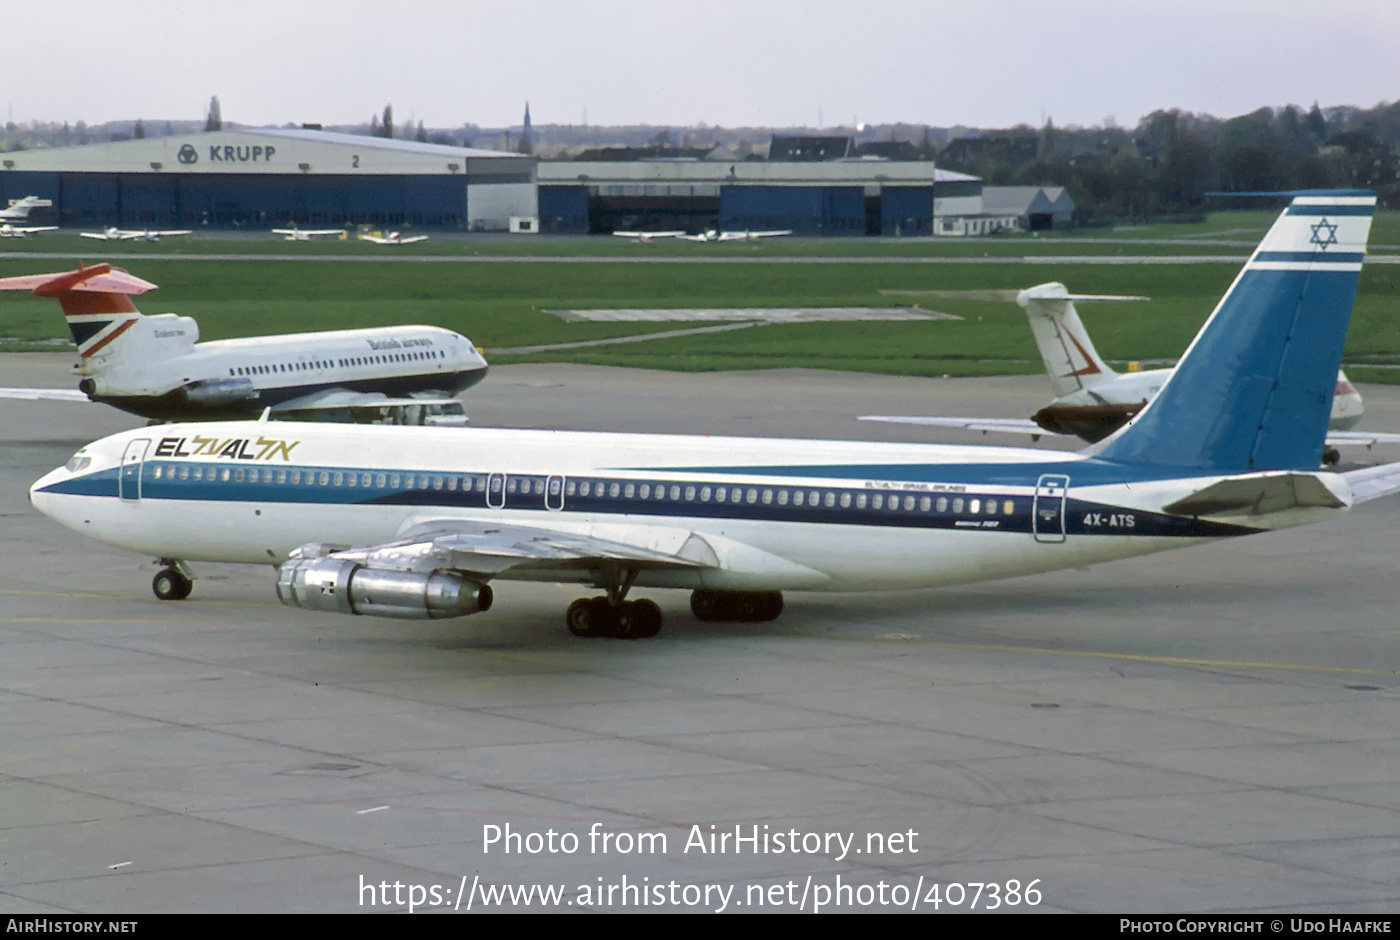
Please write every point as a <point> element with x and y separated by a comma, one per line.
<point>172,583</point>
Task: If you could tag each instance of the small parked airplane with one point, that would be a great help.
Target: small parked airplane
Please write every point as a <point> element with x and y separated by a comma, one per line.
<point>23,231</point>
<point>1092,400</point>
<point>393,238</point>
<point>156,367</point>
<point>415,523</point>
<point>647,238</point>
<point>715,235</point>
<point>295,234</point>
<point>144,234</point>
<point>18,209</point>
<point>709,235</point>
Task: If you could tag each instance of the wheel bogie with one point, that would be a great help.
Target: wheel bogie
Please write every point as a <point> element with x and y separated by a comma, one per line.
<point>598,617</point>
<point>639,620</point>
<point>736,606</point>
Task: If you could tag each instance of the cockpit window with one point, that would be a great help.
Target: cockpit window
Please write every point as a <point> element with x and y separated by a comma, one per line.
<point>78,464</point>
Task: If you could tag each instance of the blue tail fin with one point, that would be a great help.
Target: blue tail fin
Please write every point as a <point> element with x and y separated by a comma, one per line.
<point>1254,390</point>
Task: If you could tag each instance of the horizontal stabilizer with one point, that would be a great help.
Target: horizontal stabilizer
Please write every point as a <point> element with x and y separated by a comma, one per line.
<point>1259,494</point>
<point>44,394</point>
<point>985,425</point>
<point>100,278</point>
<point>1373,482</point>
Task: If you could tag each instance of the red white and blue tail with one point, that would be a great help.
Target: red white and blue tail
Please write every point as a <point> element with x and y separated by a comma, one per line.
<point>96,302</point>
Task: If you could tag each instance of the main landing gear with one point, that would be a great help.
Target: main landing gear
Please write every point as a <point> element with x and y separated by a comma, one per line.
<point>634,620</point>
<point>740,606</point>
<point>627,620</point>
<point>614,615</point>
<point>172,583</point>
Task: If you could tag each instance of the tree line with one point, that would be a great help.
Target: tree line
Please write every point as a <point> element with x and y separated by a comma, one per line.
<point>1164,167</point>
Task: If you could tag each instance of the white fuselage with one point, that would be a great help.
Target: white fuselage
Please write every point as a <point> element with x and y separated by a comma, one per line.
<point>775,514</point>
<point>1136,388</point>
<point>140,372</point>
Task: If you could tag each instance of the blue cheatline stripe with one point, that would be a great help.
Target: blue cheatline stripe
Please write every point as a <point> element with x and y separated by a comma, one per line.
<point>1309,257</point>
<point>1331,210</point>
<point>1091,472</point>
<point>901,509</point>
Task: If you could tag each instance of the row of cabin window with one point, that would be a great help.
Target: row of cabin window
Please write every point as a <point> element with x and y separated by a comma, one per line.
<point>301,366</point>
<point>394,357</point>
<point>422,481</point>
<point>768,496</point>
<point>737,495</point>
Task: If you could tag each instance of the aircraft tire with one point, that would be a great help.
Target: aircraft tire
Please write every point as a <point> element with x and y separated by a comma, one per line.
<point>170,585</point>
<point>591,617</point>
<point>707,605</point>
<point>639,620</point>
<point>736,606</point>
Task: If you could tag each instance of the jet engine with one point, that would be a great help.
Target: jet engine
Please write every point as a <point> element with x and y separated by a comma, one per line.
<point>348,587</point>
<point>211,393</point>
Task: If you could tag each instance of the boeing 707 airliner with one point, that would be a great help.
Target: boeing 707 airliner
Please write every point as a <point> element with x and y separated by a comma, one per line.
<point>417,523</point>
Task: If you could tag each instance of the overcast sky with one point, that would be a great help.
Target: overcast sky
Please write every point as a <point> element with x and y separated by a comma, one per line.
<point>988,63</point>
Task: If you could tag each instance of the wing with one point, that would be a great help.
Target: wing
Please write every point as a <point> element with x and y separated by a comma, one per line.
<point>481,550</point>
<point>487,549</point>
<point>752,236</point>
<point>372,408</point>
<point>102,235</point>
<point>440,569</point>
<point>44,394</point>
<point>376,239</point>
<point>985,425</point>
<point>646,236</point>
<point>23,230</point>
<point>415,238</point>
<point>180,231</point>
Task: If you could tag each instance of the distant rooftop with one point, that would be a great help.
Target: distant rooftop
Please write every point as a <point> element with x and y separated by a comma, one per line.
<point>808,149</point>
<point>311,135</point>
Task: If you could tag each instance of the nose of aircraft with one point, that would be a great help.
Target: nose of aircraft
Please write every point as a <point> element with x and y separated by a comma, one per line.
<point>38,496</point>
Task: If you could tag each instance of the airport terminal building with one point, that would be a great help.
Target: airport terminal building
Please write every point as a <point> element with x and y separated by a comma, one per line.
<point>264,177</point>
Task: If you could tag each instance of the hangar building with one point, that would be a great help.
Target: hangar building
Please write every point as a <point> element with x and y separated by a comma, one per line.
<point>841,196</point>
<point>262,177</point>
<point>1011,209</point>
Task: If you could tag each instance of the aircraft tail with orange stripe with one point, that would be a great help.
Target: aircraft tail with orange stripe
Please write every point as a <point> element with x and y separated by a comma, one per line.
<point>1069,354</point>
<point>96,301</point>
<point>116,342</point>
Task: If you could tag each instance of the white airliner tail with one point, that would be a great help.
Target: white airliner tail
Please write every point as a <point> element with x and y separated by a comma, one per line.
<point>18,209</point>
<point>1070,358</point>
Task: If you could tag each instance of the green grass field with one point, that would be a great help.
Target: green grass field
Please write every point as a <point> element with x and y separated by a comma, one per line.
<point>1128,240</point>
<point>503,304</point>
